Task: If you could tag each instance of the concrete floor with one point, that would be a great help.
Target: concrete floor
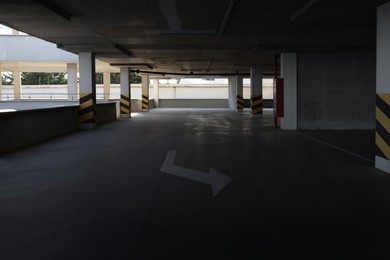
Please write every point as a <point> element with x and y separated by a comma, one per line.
<point>101,194</point>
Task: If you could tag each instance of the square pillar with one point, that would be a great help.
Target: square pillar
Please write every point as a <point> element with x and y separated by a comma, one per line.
<point>17,84</point>
<point>232,81</point>
<point>106,85</point>
<point>72,81</point>
<point>240,93</point>
<point>1,84</point>
<point>256,91</point>
<point>145,92</point>
<point>155,93</point>
<point>87,111</point>
<point>382,135</point>
<point>289,74</point>
<point>125,93</point>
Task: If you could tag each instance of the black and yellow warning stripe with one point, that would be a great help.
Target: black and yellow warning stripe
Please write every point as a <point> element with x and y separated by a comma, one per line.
<point>145,102</point>
<point>257,104</point>
<point>87,110</point>
<point>240,102</point>
<point>382,135</point>
<point>125,104</point>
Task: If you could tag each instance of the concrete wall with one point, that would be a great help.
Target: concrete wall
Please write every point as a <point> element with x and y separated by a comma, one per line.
<point>28,48</point>
<point>106,112</point>
<point>193,103</point>
<point>336,90</point>
<point>27,105</point>
<point>23,128</point>
<point>26,127</point>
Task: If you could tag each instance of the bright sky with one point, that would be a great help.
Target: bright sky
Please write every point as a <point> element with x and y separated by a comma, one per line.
<point>4,30</point>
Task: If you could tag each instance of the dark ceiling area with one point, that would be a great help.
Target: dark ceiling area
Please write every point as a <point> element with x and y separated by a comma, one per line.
<point>196,37</point>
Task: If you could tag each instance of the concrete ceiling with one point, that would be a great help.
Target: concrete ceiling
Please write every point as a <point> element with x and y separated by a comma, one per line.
<point>199,37</point>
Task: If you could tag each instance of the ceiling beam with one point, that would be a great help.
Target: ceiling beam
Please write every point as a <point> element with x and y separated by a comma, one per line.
<point>55,8</point>
<point>226,18</point>
<point>123,50</point>
<point>302,10</point>
<point>132,65</point>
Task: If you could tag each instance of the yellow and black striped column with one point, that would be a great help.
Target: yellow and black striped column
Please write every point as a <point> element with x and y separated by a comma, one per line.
<point>125,105</point>
<point>382,136</point>
<point>145,102</point>
<point>240,102</point>
<point>257,104</point>
<point>87,110</point>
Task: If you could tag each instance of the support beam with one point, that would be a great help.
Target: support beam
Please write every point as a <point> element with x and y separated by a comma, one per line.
<point>303,10</point>
<point>106,85</point>
<point>1,83</point>
<point>289,74</point>
<point>256,91</point>
<point>240,93</point>
<point>17,84</point>
<point>155,93</point>
<point>87,112</point>
<point>125,93</point>
<point>72,81</point>
<point>232,82</point>
<point>145,92</point>
<point>382,136</point>
<point>226,18</point>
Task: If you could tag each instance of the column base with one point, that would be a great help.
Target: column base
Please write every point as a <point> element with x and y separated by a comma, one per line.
<point>125,116</point>
<point>88,126</point>
<point>382,164</point>
<point>256,115</point>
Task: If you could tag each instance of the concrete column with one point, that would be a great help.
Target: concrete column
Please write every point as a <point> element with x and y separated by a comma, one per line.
<point>256,91</point>
<point>289,74</point>
<point>155,93</point>
<point>72,81</point>
<point>232,83</point>
<point>240,93</point>
<point>106,85</point>
<point>125,93</point>
<point>17,84</point>
<point>382,136</point>
<point>87,112</point>
<point>145,92</point>
<point>1,84</point>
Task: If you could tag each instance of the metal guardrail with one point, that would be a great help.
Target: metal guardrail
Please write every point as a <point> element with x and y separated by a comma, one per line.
<point>53,96</point>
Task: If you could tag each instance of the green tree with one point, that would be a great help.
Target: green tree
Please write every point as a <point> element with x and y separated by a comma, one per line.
<point>34,78</point>
<point>115,78</point>
<point>134,78</point>
<point>7,78</point>
<point>99,78</point>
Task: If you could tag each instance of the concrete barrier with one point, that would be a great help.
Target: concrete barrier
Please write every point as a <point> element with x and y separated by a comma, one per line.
<point>22,128</point>
<point>267,103</point>
<point>193,103</point>
<point>26,127</point>
<point>106,112</point>
<point>205,103</point>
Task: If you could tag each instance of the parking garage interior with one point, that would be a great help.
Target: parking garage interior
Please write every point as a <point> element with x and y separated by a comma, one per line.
<point>301,176</point>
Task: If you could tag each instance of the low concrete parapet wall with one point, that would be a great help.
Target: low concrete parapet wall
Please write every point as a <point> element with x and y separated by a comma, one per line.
<point>23,128</point>
<point>26,127</point>
<point>106,112</point>
<point>267,103</point>
<point>193,103</point>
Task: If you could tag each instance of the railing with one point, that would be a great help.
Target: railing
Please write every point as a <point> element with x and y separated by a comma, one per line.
<point>54,96</point>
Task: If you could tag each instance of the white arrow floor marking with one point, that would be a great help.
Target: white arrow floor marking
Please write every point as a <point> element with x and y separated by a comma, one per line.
<point>216,179</point>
